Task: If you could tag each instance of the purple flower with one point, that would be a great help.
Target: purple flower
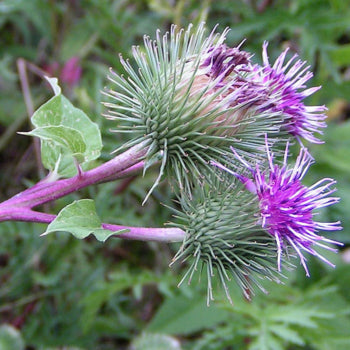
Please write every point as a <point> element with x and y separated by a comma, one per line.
<point>223,60</point>
<point>278,88</point>
<point>285,89</point>
<point>286,205</point>
<point>229,67</point>
<point>71,71</point>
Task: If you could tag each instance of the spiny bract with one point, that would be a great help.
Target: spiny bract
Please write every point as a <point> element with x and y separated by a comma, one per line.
<point>184,94</point>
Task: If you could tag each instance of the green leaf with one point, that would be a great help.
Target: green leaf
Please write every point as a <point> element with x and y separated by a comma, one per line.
<point>341,55</point>
<point>288,334</point>
<point>116,283</point>
<point>181,315</point>
<point>155,342</point>
<point>295,315</point>
<point>67,134</point>
<point>64,137</point>
<point>80,219</point>
<point>266,341</point>
<point>336,150</point>
<point>10,338</point>
<point>337,343</point>
<point>330,333</point>
<point>82,37</point>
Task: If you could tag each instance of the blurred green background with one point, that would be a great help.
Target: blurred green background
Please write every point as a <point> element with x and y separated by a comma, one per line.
<point>60,293</point>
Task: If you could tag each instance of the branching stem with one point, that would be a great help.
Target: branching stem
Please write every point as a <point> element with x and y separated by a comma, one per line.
<point>44,192</point>
<point>19,207</point>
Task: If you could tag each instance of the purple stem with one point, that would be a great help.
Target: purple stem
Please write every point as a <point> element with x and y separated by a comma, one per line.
<point>171,234</point>
<point>19,207</point>
<point>131,171</point>
<point>159,234</point>
<point>43,192</point>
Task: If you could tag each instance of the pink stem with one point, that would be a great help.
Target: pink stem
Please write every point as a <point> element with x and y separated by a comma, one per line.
<point>171,234</point>
<point>19,207</point>
<point>44,192</point>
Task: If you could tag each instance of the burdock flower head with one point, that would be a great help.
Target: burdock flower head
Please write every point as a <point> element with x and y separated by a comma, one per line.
<point>188,99</point>
<point>286,206</point>
<point>284,86</point>
<point>187,96</point>
<point>223,238</point>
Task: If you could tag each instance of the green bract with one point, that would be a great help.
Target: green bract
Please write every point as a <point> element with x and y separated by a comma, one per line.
<point>224,237</point>
<point>188,117</point>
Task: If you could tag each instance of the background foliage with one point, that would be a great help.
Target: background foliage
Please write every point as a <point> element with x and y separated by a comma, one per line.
<point>58,292</point>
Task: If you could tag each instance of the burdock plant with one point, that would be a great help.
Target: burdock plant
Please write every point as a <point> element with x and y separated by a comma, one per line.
<point>187,100</point>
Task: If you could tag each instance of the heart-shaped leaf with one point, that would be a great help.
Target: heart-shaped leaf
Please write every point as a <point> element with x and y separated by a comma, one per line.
<point>67,134</point>
<point>80,219</point>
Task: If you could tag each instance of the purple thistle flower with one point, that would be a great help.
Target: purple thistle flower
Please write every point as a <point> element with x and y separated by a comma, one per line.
<point>222,60</point>
<point>229,67</point>
<point>285,89</point>
<point>277,88</point>
<point>71,71</point>
<point>286,206</point>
